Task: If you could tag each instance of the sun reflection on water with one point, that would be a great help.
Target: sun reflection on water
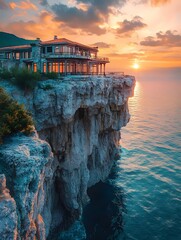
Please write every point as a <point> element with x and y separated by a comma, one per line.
<point>149,168</point>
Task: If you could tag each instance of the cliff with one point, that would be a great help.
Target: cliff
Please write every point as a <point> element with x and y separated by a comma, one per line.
<point>81,119</point>
<point>26,162</point>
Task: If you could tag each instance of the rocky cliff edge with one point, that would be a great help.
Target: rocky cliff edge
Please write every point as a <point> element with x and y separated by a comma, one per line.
<point>80,118</point>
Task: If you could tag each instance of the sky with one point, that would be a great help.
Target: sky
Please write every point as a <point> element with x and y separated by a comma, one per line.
<point>132,33</point>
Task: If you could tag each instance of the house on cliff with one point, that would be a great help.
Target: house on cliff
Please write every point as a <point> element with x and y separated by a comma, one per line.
<point>58,55</point>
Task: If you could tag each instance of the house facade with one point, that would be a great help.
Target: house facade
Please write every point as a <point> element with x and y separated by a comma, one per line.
<point>58,55</point>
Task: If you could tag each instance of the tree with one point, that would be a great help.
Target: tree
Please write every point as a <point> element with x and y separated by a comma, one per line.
<point>13,117</point>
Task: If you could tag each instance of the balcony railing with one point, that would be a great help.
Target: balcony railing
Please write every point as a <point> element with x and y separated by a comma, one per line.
<point>103,59</point>
<point>65,55</point>
<point>74,55</point>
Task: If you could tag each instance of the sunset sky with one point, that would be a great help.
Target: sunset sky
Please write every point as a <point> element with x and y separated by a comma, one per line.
<point>145,32</point>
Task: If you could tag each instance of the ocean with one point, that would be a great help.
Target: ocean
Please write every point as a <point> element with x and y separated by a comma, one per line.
<point>141,200</point>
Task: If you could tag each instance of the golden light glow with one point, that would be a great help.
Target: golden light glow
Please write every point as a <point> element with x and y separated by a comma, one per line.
<point>25,5</point>
<point>136,66</point>
<point>133,44</point>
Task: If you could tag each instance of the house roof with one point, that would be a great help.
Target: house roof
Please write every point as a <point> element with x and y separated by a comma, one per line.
<point>63,41</point>
<point>60,41</point>
<point>16,47</point>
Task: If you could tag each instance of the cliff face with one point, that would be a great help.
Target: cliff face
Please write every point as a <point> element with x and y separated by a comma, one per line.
<point>8,214</point>
<point>26,163</point>
<point>81,120</point>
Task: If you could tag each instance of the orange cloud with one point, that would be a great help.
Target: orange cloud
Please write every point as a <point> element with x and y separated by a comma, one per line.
<point>25,5</point>
<point>132,55</point>
<point>102,45</point>
<point>43,27</point>
<point>159,2</point>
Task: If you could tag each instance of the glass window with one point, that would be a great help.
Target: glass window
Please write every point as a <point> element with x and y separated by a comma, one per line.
<point>34,67</point>
<point>8,55</point>
<point>54,67</point>
<point>57,49</point>
<point>49,49</point>
<point>26,55</point>
<point>17,56</point>
<point>29,54</point>
<point>65,49</point>
<point>44,67</point>
<point>93,55</point>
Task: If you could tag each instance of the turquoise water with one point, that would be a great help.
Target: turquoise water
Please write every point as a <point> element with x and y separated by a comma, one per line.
<point>147,177</point>
<point>149,171</point>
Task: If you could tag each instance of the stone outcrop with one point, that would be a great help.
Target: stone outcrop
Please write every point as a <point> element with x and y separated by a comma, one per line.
<point>8,214</point>
<point>81,119</point>
<point>26,163</point>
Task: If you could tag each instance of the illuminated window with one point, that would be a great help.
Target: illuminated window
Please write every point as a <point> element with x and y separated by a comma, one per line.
<point>93,55</point>
<point>56,67</point>
<point>34,67</point>
<point>17,55</point>
<point>61,67</point>
<point>44,67</point>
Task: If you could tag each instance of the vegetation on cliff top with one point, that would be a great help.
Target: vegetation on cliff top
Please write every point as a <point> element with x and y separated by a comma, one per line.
<point>14,118</point>
<point>22,78</point>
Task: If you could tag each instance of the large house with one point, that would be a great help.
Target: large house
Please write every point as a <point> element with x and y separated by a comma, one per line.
<point>58,55</point>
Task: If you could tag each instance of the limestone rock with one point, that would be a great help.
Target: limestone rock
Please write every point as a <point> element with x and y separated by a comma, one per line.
<point>81,118</point>
<point>24,161</point>
<point>8,215</point>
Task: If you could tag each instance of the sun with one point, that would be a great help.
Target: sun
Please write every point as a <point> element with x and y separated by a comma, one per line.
<point>136,66</point>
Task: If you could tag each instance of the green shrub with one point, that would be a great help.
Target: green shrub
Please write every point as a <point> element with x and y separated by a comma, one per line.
<point>14,71</point>
<point>13,117</point>
<point>22,78</point>
<point>52,75</point>
<point>25,79</point>
<point>5,74</point>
